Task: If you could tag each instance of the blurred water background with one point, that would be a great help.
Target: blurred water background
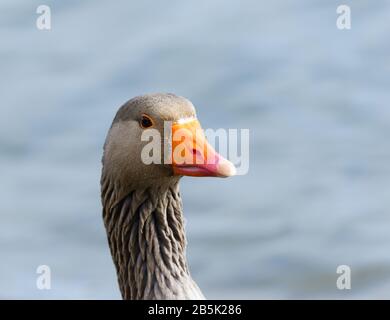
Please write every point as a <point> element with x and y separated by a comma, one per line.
<point>315,98</point>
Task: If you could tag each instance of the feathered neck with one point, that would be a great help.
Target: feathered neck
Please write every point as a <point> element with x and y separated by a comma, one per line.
<point>146,236</point>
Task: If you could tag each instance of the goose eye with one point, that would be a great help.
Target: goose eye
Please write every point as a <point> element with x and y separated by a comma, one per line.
<point>146,122</point>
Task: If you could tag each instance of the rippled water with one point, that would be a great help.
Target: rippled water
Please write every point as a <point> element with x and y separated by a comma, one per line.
<point>316,101</point>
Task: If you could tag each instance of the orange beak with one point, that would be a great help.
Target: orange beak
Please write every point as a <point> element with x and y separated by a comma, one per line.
<point>193,156</point>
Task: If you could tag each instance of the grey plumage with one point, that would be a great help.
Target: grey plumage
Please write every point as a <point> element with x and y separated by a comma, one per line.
<point>142,208</point>
<point>147,240</point>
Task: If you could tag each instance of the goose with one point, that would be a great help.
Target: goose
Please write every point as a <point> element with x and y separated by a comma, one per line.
<point>142,206</point>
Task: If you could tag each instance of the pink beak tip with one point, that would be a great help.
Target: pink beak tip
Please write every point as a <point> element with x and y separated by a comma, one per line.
<point>226,169</point>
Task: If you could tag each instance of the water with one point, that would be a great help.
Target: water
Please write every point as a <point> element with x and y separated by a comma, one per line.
<point>316,101</point>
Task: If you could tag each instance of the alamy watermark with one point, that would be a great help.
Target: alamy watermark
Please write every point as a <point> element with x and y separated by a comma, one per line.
<point>343,21</point>
<point>43,281</point>
<point>44,19</point>
<point>190,144</point>
<point>344,280</point>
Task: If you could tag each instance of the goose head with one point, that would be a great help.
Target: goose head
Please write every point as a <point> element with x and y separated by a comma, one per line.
<point>142,207</point>
<point>183,149</point>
